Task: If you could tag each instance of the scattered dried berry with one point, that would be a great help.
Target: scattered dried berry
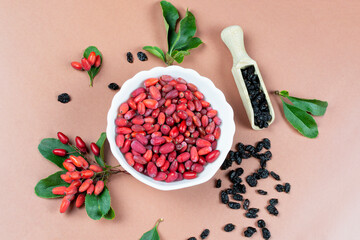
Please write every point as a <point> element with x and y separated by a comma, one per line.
<point>246,204</point>
<point>64,98</point>
<point>273,201</point>
<point>192,238</point>
<point>287,187</point>
<point>261,223</point>
<point>251,215</point>
<point>267,143</point>
<point>229,227</point>
<point>251,180</point>
<point>275,176</point>
<point>263,173</point>
<point>256,175</point>
<point>253,210</point>
<point>279,188</point>
<point>249,231</point>
<point>266,233</point>
<point>239,171</point>
<point>237,197</point>
<point>205,233</point>
<point>272,210</point>
<point>234,205</point>
<point>129,57</point>
<point>142,56</point>
<point>113,86</point>
<point>262,192</point>
<point>259,146</point>
<point>218,183</point>
<point>224,197</point>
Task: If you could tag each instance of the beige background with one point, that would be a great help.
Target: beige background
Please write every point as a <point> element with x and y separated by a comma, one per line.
<point>310,48</point>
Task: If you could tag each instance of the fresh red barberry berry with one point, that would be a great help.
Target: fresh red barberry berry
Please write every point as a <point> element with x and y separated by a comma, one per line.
<point>77,66</point>
<point>85,64</point>
<point>90,189</point>
<point>99,187</point>
<point>69,166</point>
<point>97,61</point>
<point>59,152</point>
<point>95,149</point>
<point>95,168</point>
<point>85,185</point>
<point>87,174</point>
<point>92,58</point>
<point>80,144</point>
<point>63,138</point>
<point>65,203</point>
<point>80,200</point>
<point>59,190</point>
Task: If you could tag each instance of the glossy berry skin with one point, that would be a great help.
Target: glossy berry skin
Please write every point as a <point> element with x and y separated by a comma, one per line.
<point>92,58</point>
<point>63,138</point>
<point>95,149</point>
<point>80,144</point>
<point>97,61</point>
<point>77,66</point>
<point>85,64</point>
<point>80,200</point>
<point>59,152</point>
<point>59,190</point>
<point>64,205</point>
<point>99,187</point>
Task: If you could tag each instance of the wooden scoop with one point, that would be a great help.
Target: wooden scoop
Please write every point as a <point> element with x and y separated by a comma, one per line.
<point>233,37</point>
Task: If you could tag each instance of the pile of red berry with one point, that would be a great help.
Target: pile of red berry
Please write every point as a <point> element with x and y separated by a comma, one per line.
<point>83,177</point>
<point>167,130</point>
<point>86,64</point>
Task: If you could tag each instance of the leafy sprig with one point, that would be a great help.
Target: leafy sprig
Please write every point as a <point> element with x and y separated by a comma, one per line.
<point>179,43</point>
<point>152,234</point>
<point>299,114</point>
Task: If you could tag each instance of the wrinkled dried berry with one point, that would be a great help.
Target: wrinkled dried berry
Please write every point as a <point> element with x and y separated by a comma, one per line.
<point>250,148</point>
<point>218,183</point>
<point>279,188</point>
<point>240,188</point>
<point>267,143</point>
<point>253,210</point>
<point>129,57</point>
<point>259,146</point>
<point>272,210</point>
<point>263,173</point>
<point>251,215</point>
<point>268,155</point>
<point>246,204</point>
<point>287,187</point>
<point>273,201</point>
<point>229,227</point>
<point>113,86</point>
<point>261,223</point>
<point>142,56</point>
<point>238,160</point>
<point>226,164</point>
<point>257,176</point>
<point>245,155</point>
<point>275,176</point>
<point>229,191</point>
<point>192,238</point>
<point>249,231</point>
<point>64,98</point>
<point>224,197</point>
<point>234,205</point>
<point>240,147</point>
<point>239,171</point>
<point>204,234</point>
<point>251,180</point>
<point>266,233</point>
<point>262,192</point>
<point>263,163</point>
<point>237,197</point>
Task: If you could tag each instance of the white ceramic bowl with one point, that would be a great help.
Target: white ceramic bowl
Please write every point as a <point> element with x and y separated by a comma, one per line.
<point>212,95</point>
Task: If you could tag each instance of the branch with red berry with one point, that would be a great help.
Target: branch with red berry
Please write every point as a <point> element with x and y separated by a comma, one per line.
<point>82,179</point>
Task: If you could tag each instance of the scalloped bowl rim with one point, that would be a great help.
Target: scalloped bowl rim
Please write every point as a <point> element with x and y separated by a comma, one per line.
<point>217,100</point>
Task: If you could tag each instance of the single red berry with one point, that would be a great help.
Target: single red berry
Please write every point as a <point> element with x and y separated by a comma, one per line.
<point>59,152</point>
<point>64,205</point>
<point>85,185</point>
<point>80,144</point>
<point>59,190</point>
<point>69,166</point>
<point>99,187</point>
<point>80,200</point>
<point>87,174</point>
<point>85,64</point>
<point>90,189</point>
<point>97,61</point>
<point>95,168</point>
<point>77,66</point>
<point>92,58</point>
<point>63,138</point>
<point>95,149</point>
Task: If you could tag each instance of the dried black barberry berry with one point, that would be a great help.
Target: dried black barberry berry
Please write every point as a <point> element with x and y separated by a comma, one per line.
<point>266,233</point>
<point>251,180</point>
<point>279,188</point>
<point>259,146</point>
<point>249,231</point>
<point>205,233</point>
<point>272,210</point>
<point>192,238</point>
<point>240,188</point>
<point>229,227</point>
<point>261,223</point>
<point>253,210</point>
<point>240,147</point>
<point>129,57</point>
<point>251,215</point>
<point>267,143</point>
<point>287,187</point>
<point>226,164</point>
<point>246,204</point>
<point>239,171</point>
<point>273,201</point>
<point>218,183</point>
<point>263,163</point>
<point>229,191</point>
<point>262,192</point>
<point>275,176</point>
<point>237,197</point>
<point>268,155</point>
<point>257,176</point>
<point>113,86</point>
<point>234,205</point>
<point>64,98</point>
<point>263,173</point>
<point>142,56</point>
<point>250,148</point>
<point>224,197</point>
<point>245,155</point>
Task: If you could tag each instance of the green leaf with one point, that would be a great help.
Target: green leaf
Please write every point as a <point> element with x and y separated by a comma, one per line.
<point>100,142</point>
<point>152,234</point>
<point>47,145</point>
<point>44,187</point>
<point>171,16</point>
<point>94,70</point>
<point>98,206</point>
<point>110,215</point>
<point>187,30</point>
<point>191,43</point>
<point>178,56</point>
<point>155,51</point>
<point>300,120</point>
<point>313,106</point>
